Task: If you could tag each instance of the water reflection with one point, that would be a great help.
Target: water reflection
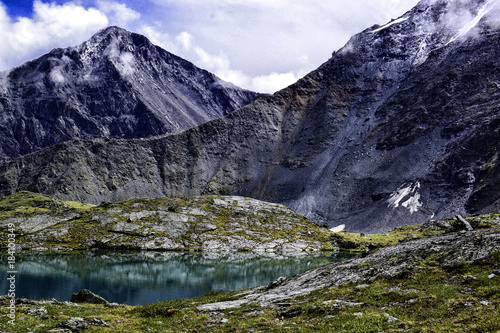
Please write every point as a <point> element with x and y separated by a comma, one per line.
<point>146,277</point>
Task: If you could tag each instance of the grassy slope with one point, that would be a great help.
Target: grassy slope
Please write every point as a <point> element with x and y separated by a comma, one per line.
<point>28,203</point>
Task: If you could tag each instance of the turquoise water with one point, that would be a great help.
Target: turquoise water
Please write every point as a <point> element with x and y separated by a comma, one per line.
<point>145,277</point>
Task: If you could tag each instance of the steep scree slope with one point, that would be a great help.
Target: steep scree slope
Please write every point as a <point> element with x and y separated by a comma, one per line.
<point>399,126</point>
<point>117,84</point>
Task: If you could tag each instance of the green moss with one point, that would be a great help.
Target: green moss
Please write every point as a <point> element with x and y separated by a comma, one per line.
<point>26,203</point>
<point>356,242</point>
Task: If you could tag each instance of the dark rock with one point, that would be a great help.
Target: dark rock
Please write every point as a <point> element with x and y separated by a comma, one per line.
<point>391,319</point>
<point>98,322</point>
<point>362,286</point>
<point>78,324</point>
<point>291,312</point>
<point>468,279</point>
<point>38,311</point>
<point>314,309</point>
<point>342,303</point>
<point>279,281</point>
<point>86,296</point>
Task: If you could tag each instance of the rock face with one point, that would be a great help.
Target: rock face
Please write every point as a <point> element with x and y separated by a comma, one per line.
<point>209,224</point>
<point>399,126</point>
<point>117,84</point>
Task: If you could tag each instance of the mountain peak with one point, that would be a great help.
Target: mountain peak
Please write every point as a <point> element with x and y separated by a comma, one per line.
<point>111,42</point>
<point>116,84</point>
<point>112,30</point>
<point>114,33</point>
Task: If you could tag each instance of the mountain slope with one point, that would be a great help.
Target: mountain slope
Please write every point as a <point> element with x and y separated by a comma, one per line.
<point>117,84</point>
<point>398,127</point>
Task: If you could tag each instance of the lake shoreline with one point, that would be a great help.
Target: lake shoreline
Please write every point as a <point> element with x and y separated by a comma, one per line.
<point>442,281</point>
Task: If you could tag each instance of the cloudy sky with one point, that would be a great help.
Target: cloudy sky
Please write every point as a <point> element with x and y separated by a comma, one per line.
<point>262,45</point>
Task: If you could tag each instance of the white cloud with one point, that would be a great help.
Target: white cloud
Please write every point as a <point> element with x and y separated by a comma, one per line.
<point>186,40</point>
<point>273,81</point>
<point>257,44</point>
<point>123,61</point>
<point>494,18</point>
<point>160,38</point>
<point>118,13</point>
<point>52,26</point>
<point>220,65</point>
<point>269,41</point>
<point>465,21</point>
<point>127,63</point>
<point>56,75</point>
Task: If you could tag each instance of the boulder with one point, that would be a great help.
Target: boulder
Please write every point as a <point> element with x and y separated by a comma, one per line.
<point>86,296</point>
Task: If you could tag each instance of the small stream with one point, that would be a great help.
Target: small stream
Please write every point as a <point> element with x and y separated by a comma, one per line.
<point>135,278</point>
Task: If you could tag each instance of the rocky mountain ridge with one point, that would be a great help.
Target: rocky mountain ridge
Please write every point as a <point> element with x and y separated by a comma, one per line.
<point>398,127</point>
<point>117,84</point>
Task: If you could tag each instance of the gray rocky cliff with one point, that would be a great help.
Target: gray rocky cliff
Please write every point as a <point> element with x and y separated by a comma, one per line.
<point>399,126</point>
<point>117,84</point>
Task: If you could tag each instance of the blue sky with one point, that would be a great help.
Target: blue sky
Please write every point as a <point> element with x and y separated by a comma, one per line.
<point>262,45</point>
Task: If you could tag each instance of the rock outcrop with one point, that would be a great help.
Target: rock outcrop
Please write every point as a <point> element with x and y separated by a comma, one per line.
<point>399,126</point>
<point>87,296</point>
<point>209,224</point>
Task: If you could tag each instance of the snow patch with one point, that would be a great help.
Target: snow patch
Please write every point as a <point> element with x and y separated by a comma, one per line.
<point>338,228</point>
<point>399,20</point>
<point>413,203</point>
<point>410,193</point>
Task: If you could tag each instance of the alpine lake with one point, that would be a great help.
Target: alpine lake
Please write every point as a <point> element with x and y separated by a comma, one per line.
<point>137,278</point>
